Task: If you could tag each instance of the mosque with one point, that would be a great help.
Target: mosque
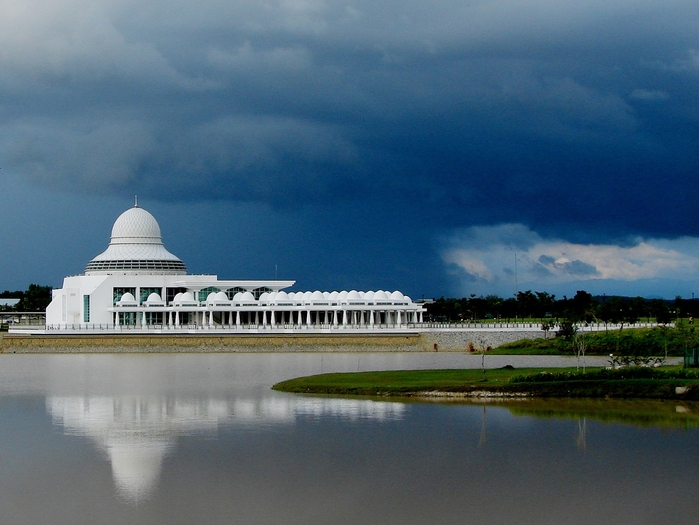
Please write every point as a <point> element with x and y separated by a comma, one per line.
<point>137,284</point>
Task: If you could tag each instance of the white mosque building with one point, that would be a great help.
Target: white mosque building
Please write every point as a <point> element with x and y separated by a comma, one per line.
<point>137,284</point>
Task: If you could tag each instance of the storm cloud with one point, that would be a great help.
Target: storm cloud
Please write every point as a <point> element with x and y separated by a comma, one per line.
<point>382,127</point>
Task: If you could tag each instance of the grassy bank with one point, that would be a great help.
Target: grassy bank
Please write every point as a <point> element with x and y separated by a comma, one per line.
<point>656,341</point>
<point>671,383</point>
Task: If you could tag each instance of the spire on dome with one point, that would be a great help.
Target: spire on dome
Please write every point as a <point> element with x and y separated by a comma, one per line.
<point>135,201</point>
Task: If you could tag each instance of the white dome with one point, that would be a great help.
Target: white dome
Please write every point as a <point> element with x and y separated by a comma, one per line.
<point>369,296</point>
<point>307,296</point>
<point>342,295</point>
<point>154,298</point>
<point>264,297</point>
<point>353,296</point>
<point>247,296</point>
<point>136,225</point>
<point>397,296</point>
<point>282,296</point>
<point>317,296</point>
<point>211,297</point>
<point>136,246</point>
<point>334,296</point>
<point>127,298</point>
<point>187,296</point>
<point>221,297</point>
<point>380,296</point>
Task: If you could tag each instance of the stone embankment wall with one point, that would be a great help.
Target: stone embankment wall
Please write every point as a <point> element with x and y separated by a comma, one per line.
<point>446,341</point>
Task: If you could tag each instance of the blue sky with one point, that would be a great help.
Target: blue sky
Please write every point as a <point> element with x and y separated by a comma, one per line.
<point>413,145</point>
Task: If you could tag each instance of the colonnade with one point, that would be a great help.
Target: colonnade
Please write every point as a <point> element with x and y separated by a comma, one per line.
<point>241,318</point>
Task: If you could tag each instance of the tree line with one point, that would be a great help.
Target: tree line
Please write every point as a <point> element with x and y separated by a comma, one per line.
<point>35,299</point>
<point>582,307</point>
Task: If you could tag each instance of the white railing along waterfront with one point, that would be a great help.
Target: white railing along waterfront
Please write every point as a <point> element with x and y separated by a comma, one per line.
<point>289,328</point>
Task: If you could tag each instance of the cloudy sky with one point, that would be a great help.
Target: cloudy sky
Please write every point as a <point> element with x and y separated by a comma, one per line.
<point>438,147</point>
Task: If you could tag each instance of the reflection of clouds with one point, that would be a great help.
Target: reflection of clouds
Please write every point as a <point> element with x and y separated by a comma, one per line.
<point>136,432</point>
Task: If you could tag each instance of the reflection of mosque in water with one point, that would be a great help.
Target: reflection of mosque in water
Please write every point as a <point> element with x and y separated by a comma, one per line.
<point>137,432</point>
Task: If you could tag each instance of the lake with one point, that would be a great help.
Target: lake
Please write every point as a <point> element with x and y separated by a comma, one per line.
<point>201,438</point>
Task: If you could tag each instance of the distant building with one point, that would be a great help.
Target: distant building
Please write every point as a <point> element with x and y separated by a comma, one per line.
<point>8,303</point>
<point>136,283</point>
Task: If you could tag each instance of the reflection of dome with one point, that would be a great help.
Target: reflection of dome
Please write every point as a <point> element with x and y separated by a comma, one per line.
<point>136,467</point>
<point>136,246</point>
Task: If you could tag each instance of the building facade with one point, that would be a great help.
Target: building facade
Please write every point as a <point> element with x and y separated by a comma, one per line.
<point>137,284</point>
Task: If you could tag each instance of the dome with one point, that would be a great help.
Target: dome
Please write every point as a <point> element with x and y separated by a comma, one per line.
<point>397,296</point>
<point>136,246</point>
<point>136,225</point>
<point>380,296</point>
<point>281,296</point>
<point>353,296</point>
<point>127,298</point>
<point>247,296</point>
<point>369,296</point>
<point>154,298</point>
<point>221,297</point>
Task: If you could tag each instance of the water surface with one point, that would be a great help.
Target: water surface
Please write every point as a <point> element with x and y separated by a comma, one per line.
<point>181,439</point>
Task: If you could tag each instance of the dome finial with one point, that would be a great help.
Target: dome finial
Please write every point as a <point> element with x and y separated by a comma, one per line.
<point>135,201</point>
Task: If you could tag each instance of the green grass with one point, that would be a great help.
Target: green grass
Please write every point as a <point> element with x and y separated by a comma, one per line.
<point>556,382</point>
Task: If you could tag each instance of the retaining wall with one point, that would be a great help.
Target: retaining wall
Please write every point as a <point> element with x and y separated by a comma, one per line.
<point>446,341</point>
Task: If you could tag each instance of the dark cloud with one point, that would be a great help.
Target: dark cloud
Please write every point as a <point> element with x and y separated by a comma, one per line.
<point>577,120</point>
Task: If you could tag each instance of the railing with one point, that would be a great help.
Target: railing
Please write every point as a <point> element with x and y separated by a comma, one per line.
<point>324,327</point>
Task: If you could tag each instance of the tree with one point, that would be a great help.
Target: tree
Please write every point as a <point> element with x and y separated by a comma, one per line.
<point>35,299</point>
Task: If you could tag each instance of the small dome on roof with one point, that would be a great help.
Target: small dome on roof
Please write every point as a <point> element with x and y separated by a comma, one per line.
<point>264,297</point>
<point>397,296</point>
<point>247,296</point>
<point>221,296</point>
<point>353,296</point>
<point>187,296</point>
<point>211,297</point>
<point>342,295</point>
<point>307,296</point>
<point>334,296</point>
<point>380,296</point>
<point>407,298</point>
<point>178,297</point>
<point>127,298</point>
<point>369,296</point>
<point>154,298</point>
<point>317,296</point>
<point>281,296</point>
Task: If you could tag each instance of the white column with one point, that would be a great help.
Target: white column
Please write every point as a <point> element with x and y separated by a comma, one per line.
<point>344,317</point>
<point>398,317</point>
<point>371,318</point>
<point>237,318</point>
<point>334,317</point>
<point>273,321</point>
<point>143,318</point>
